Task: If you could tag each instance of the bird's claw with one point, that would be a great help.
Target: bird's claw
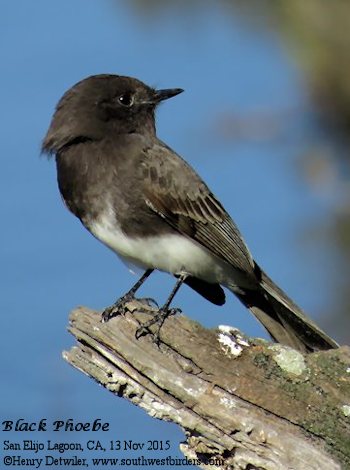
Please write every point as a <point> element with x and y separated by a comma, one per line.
<point>157,319</point>
<point>149,302</point>
<point>119,307</point>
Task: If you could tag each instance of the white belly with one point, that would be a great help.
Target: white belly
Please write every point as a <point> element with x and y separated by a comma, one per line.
<point>173,253</point>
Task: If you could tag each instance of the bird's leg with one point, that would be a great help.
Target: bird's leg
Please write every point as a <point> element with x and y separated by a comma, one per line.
<point>162,314</point>
<point>119,306</point>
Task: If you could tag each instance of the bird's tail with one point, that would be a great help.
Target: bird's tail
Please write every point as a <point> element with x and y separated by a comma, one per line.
<point>283,319</point>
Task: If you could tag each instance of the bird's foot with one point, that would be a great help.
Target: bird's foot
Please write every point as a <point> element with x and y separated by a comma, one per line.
<point>119,307</point>
<point>157,319</point>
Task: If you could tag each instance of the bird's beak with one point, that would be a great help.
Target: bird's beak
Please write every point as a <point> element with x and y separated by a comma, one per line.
<point>161,95</point>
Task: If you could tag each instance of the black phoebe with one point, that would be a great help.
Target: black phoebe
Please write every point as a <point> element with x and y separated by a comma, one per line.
<point>142,200</point>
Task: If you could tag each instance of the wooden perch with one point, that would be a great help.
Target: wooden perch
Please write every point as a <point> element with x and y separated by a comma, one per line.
<point>249,403</point>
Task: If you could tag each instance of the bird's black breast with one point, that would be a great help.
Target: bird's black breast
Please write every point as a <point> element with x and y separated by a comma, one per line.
<point>81,183</point>
<point>95,177</point>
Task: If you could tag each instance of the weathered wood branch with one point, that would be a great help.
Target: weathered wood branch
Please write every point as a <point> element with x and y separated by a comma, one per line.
<point>249,403</point>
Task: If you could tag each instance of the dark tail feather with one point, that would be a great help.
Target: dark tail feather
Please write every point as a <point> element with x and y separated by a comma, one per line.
<point>283,319</point>
<point>212,292</point>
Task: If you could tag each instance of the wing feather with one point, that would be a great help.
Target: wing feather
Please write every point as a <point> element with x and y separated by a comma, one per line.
<point>174,191</point>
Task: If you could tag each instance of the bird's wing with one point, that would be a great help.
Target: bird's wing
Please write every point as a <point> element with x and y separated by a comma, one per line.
<point>175,192</point>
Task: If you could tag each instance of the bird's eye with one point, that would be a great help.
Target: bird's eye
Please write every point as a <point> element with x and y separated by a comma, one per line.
<point>126,100</point>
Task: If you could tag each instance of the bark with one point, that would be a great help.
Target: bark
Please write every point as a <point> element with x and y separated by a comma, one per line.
<point>247,402</point>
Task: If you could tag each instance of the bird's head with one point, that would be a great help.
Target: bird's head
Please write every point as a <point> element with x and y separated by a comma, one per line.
<point>103,105</point>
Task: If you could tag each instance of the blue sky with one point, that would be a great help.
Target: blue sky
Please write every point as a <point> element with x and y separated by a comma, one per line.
<point>50,264</point>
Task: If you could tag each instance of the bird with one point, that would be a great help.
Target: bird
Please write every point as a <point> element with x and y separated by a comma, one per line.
<point>148,205</point>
